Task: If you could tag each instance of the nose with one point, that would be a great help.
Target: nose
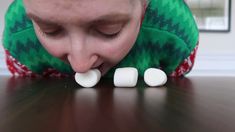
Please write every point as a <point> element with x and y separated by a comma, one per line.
<point>80,63</point>
<point>81,56</point>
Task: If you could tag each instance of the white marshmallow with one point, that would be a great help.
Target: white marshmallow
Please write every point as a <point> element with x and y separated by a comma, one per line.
<point>125,77</point>
<point>88,79</point>
<point>155,77</point>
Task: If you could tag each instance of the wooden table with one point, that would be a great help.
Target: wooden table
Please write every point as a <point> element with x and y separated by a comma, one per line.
<point>195,104</point>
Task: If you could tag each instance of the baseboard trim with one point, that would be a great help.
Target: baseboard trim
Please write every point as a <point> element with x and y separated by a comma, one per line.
<point>214,65</point>
<point>4,71</point>
<point>205,65</point>
<point>3,68</point>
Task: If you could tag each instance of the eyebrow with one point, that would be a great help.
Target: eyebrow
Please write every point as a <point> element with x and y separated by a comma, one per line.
<point>112,19</point>
<point>105,19</point>
<point>39,19</point>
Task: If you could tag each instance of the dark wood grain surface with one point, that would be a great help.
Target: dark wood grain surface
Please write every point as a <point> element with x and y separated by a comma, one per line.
<point>195,104</point>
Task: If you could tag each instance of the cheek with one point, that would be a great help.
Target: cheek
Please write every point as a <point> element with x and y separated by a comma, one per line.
<point>55,47</point>
<point>119,48</point>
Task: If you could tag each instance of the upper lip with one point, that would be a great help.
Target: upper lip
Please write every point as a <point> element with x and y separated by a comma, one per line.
<point>99,67</point>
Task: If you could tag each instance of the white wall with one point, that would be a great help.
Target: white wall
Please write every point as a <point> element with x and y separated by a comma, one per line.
<point>219,43</point>
<point>3,6</point>
<point>216,54</point>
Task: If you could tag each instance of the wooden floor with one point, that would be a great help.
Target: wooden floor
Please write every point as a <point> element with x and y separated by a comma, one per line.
<point>195,104</point>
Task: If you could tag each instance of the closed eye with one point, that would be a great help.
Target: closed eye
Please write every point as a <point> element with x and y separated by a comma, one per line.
<point>109,31</point>
<point>52,32</point>
<point>108,35</point>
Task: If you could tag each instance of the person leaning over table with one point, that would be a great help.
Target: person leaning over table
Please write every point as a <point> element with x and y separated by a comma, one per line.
<point>61,37</point>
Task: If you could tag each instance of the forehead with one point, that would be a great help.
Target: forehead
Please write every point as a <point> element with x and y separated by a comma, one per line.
<point>68,10</point>
<point>76,3</point>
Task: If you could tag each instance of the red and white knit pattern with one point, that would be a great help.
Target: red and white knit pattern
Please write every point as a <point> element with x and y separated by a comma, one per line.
<point>186,66</point>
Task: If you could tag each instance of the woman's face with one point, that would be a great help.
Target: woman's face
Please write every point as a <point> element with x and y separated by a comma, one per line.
<point>86,33</point>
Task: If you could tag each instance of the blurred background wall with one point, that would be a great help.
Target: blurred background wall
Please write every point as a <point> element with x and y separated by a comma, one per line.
<point>3,7</point>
